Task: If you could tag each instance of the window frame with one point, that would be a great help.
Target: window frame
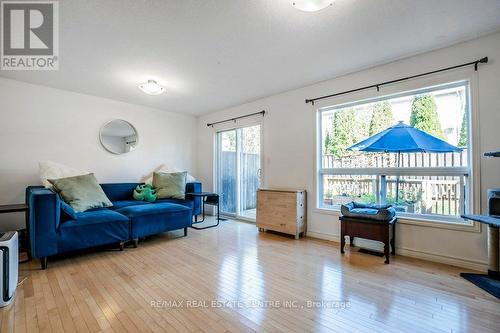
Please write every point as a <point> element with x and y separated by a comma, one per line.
<point>440,81</point>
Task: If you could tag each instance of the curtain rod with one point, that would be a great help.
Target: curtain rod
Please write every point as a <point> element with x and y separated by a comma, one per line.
<point>263,112</point>
<point>475,63</point>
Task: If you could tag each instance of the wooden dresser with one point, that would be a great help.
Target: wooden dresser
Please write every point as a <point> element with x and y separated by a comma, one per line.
<point>282,210</point>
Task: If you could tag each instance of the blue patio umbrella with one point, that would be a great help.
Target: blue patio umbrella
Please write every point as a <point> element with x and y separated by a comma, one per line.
<point>402,138</point>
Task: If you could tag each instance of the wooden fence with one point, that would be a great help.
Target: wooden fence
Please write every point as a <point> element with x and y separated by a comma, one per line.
<point>249,180</point>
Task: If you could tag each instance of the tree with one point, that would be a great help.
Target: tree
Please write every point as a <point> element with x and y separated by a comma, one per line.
<point>424,115</point>
<point>462,139</point>
<point>344,134</point>
<point>381,117</point>
<point>329,149</point>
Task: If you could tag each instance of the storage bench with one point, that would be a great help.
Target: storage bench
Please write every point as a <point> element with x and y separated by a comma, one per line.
<point>382,231</point>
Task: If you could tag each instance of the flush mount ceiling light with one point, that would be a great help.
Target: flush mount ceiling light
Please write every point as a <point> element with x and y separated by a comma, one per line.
<point>312,5</point>
<point>152,88</point>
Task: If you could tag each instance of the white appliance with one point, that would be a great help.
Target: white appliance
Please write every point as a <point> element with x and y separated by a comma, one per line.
<point>8,266</point>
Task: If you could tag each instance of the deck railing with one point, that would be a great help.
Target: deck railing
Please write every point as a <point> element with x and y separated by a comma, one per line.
<point>417,194</point>
<point>426,195</point>
<point>389,160</point>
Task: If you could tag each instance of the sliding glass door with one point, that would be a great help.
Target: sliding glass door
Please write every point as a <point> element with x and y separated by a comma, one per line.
<point>227,171</point>
<point>238,175</point>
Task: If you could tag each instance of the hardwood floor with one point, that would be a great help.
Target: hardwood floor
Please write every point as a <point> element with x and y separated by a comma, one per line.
<point>135,290</point>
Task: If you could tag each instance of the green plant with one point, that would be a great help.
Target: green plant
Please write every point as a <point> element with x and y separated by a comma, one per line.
<point>371,199</point>
<point>368,198</point>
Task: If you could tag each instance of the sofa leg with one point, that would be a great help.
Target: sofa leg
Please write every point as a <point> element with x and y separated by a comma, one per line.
<point>122,245</point>
<point>43,262</point>
<point>185,231</point>
<point>135,242</point>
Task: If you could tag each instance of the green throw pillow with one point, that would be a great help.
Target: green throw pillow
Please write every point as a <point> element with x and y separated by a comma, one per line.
<point>170,185</point>
<point>81,192</point>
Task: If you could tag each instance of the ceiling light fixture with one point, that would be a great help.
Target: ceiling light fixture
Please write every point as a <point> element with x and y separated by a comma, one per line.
<point>152,88</point>
<point>312,5</point>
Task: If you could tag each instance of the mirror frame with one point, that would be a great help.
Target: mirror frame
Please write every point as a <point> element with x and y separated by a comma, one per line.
<point>109,122</point>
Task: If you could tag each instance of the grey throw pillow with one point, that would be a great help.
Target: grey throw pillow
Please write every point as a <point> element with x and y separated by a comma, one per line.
<point>81,192</point>
<point>170,185</point>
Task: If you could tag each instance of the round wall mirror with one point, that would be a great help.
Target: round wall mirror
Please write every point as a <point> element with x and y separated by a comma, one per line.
<point>119,137</point>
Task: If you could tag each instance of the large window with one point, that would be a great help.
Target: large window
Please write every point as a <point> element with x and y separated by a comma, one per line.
<point>427,185</point>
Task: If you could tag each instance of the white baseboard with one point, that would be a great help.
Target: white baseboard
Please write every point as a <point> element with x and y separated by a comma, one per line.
<point>324,236</point>
<point>444,259</point>
<point>434,257</point>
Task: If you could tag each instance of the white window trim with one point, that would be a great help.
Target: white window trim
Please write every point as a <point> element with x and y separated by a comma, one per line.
<point>464,74</point>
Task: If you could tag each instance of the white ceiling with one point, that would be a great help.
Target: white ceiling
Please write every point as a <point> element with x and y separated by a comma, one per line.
<point>212,54</point>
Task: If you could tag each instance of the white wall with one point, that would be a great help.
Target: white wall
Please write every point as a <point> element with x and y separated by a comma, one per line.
<point>39,123</point>
<point>289,145</point>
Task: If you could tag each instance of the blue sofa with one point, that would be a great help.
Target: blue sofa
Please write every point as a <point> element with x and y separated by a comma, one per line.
<point>53,231</point>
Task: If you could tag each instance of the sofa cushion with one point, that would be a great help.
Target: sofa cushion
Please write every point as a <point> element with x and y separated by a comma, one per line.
<point>125,203</point>
<point>93,228</point>
<point>187,203</point>
<point>152,209</point>
<point>151,219</point>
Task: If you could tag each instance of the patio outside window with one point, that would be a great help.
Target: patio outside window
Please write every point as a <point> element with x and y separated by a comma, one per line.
<point>430,185</point>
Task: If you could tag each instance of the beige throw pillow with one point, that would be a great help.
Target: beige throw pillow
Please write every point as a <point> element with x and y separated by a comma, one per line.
<point>170,185</point>
<point>166,169</point>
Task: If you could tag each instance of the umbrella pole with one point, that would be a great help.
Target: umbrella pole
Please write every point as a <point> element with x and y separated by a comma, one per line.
<point>397,178</point>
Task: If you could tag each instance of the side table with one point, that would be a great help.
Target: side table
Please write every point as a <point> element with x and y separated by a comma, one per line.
<point>24,234</point>
<point>208,198</point>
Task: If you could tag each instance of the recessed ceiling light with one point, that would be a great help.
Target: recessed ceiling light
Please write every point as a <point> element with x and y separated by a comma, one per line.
<point>152,88</point>
<point>312,5</point>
